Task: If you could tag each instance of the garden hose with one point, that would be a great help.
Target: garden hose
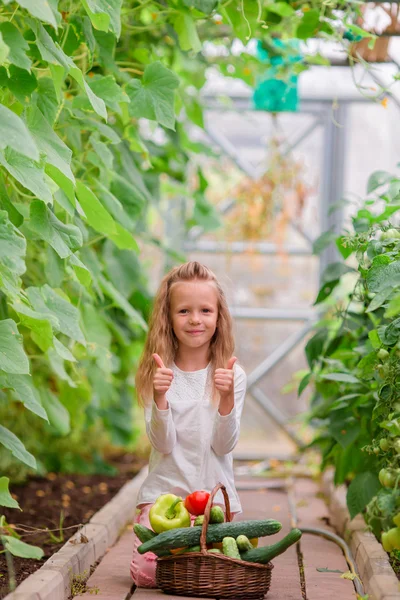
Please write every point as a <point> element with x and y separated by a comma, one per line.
<point>333,537</point>
<point>287,486</point>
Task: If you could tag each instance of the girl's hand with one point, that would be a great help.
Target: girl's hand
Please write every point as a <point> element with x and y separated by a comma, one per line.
<point>224,379</point>
<point>161,382</point>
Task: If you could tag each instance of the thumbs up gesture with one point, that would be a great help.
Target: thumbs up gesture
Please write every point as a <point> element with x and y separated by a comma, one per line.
<point>161,381</point>
<point>224,379</point>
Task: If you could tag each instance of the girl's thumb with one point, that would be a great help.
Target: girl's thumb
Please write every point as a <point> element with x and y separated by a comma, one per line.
<point>231,362</point>
<point>158,361</point>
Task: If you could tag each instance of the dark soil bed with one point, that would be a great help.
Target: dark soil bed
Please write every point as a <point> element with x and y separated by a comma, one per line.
<point>74,498</point>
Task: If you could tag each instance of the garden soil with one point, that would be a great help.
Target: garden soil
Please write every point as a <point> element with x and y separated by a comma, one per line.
<point>45,499</point>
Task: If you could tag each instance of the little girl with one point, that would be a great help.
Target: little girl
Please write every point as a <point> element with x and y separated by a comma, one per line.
<point>193,394</point>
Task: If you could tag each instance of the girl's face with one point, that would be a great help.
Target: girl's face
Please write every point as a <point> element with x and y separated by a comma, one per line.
<point>194,312</point>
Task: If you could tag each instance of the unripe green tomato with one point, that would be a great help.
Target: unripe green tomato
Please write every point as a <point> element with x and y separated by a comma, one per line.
<point>376,450</point>
<point>381,476</point>
<point>384,444</point>
<point>383,354</point>
<point>390,479</point>
<point>396,445</point>
<point>387,478</point>
<point>396,519</point>
<point>386,542</point>
<point>393,537</point>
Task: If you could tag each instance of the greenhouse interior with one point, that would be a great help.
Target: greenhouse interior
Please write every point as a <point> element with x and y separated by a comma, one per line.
<point>199,299</point>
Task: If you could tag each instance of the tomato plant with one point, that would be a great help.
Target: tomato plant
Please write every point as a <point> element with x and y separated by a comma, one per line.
<point>354,360</point>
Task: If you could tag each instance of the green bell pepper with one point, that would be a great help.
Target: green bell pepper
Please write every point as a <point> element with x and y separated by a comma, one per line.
<point>168,512</point>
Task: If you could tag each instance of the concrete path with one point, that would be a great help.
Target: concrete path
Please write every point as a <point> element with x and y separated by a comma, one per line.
<point>307,571</point>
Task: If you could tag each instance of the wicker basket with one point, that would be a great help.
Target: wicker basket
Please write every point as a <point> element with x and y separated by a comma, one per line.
<point>212,575</point>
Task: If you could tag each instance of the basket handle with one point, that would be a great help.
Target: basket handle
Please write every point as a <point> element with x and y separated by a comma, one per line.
<point>203,535</point>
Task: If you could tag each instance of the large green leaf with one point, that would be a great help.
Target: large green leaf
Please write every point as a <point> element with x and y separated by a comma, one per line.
<point>97,103</point>
<point>4,50</point>
<point>81,271</point>
<point>340,377</point>
<point>17,45</point>
<point>379,299</point>
<point>40,324</point>
<point>114,206</point>
<point>21,83</point>
<point>42,9</point>
<point>57,364</point>
<point>19,548</point>
<point>380,276</point>
<point>104,14</point>
<point>57,153</point>
<point>153,96</point>
<point>14,134</point>
<point>102,150</point>
<point>63,351</point>
<point>45,98</point>
<point>5,202</point>
<point>52,53</point>
<point>12,354</point>
<point>5,497</point>
<point>58,415</point>
<point>109,90</point>
<point>185,27</point>
<point>12,245</point>
<point>63,238</point>
<point>26,392</point>
<point>29,173</point>
<point>97,216</point>
<point>361,491</point>
<point>16,447</point>
<point>45,300</point>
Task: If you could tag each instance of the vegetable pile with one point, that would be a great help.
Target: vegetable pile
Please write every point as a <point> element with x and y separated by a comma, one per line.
<point>173,532</point>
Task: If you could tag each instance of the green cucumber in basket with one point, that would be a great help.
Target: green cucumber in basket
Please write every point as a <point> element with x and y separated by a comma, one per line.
<point>229,548</point>
<point>145,534</point>
<point>190,536</point>
<point>216,516</point>
<point>266,553</point>
<point>243,543</point>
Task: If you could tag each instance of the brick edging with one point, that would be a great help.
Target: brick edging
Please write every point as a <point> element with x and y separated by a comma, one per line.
<point>53,580</point>
<point>379,579</point>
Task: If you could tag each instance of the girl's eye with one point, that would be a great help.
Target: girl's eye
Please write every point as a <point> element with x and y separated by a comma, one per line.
<point>206,310</point>
<point>183,310</point>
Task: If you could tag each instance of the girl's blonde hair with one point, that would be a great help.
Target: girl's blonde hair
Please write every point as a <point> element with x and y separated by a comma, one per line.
<point>161,338</point>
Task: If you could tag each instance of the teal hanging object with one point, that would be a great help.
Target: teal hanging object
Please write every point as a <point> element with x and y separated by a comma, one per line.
<point>276,93</point>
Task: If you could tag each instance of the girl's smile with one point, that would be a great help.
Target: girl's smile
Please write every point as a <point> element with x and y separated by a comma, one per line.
<point>194,312</point>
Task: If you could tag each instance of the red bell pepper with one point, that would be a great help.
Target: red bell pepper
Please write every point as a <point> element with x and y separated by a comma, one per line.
<point>196,502</point>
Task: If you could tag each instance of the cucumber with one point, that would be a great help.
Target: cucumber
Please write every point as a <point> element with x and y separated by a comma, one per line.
<point>193,549</point>
<point>266,553</point>
<point>144,533</point>
<point>216,516</point>
<point>243,543</point>
<point>229,548</point>
<point>215,551</point>
<point>189,536</point>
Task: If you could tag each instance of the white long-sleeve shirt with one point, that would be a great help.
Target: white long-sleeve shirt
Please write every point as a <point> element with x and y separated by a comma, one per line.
<point>191,442</point>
